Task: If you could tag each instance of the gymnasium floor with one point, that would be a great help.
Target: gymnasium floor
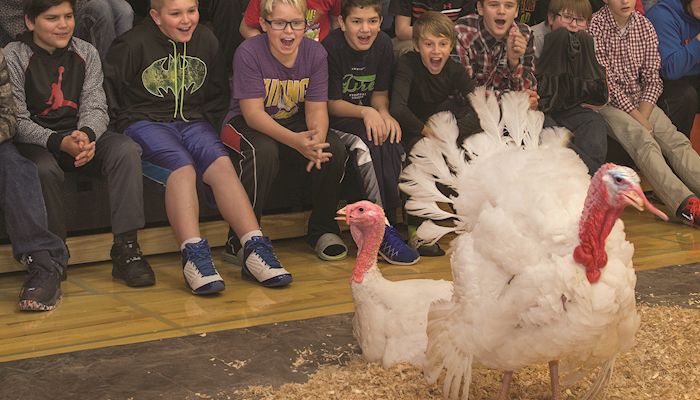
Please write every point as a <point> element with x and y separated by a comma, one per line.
<point>108,341</point>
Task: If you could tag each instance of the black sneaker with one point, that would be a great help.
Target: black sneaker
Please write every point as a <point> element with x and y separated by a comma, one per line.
<point>231,255</point>
<point>129,265</point>
<point>689,211</point>
<point>42,289</point>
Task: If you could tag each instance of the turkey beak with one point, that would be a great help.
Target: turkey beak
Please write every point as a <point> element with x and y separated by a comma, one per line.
<point>342,215</point>
<point>636,199</point>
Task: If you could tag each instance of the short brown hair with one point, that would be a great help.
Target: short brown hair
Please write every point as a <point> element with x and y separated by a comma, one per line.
<point>158,4</point>
<point>435,23</point>
<point>348,5</point>
<point>580,7</point>
<point>33,8</point>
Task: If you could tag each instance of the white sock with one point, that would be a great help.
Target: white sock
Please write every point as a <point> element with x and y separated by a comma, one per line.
<point>250,235</point>
<point>195,239</point>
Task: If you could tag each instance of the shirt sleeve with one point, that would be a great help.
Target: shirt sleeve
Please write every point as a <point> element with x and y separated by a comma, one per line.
<point>677,58</point>
<point>335,73</point>
<point>385,68</point>
<point>523,76</point>
<point>7,105</point>
<point>617,96</point>
<point>251,16</point>
<point>399,99</point>
<point>28,131</point>
<point>247,80</point>
<point>92,111</point>
<point>318,79</point>
<point>462,45</point>
<point>651,83</point>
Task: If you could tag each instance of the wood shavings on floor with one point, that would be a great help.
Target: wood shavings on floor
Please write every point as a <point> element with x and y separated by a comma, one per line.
<point>663,365</point>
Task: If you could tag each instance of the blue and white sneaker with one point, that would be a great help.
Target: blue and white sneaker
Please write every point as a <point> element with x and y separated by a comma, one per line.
<point>395,251</point>
<point>198,268</point>
<point>261,263</point>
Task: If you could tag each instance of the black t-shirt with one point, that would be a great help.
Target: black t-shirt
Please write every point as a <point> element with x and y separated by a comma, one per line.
<point>415,8</point>
<point>354,75</point>
<point>417,94</point>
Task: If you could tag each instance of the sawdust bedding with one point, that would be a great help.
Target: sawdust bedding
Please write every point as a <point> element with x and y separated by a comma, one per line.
<point>665,364</point>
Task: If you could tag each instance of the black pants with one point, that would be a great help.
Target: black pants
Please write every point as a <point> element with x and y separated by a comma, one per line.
<point>117,158</point>
<point>679,101</point>
<point>260,159</point>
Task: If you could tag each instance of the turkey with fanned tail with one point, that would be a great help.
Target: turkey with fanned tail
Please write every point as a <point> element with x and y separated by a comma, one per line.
<point>542,271</point>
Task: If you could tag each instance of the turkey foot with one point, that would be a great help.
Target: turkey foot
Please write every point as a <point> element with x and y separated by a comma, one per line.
<point>505,385</point>
<point>554,379</point>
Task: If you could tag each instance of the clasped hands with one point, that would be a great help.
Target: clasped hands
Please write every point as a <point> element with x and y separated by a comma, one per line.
<point>78,146</point>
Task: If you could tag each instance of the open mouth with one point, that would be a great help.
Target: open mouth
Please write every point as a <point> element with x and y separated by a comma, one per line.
<point>341,215</point>
<point>633,199</point>
<point>287,42</point>
<point>500,23</point>
<point>436,62</point>
<point>185,30</point>
<point>363,39</point>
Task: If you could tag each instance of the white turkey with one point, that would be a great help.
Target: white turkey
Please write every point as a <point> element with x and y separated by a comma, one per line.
<point>542,271</point>
<point>390,317</point>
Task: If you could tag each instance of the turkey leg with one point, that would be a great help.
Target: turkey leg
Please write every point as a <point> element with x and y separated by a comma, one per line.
<point>554,379</point>
<point>505,385</point>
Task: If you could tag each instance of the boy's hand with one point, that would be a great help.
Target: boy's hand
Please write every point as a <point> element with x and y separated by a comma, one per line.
<point>78,145</point>
<point>642,120</point>
<point>307,143</point>
<point>393,128</point>
<point>534,98</point>
<point>592,106</point>
<point>515,46</point>
<point>374,125</point>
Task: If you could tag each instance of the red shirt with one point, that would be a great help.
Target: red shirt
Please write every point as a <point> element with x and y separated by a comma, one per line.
<point>317,17</point>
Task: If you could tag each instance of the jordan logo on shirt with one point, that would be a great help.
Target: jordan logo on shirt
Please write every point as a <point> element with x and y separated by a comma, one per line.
<point>56,99</point>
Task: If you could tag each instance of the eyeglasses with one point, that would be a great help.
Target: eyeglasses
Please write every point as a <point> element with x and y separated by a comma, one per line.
<point>567,19</point>
<point>280,25</point>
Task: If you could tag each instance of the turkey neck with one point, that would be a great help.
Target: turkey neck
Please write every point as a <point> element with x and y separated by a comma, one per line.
<point>367,249</point>
<point>597,221</point>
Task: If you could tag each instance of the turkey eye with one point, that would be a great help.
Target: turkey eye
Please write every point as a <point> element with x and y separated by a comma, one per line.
<point>361,209</point>
<point>618,179</point>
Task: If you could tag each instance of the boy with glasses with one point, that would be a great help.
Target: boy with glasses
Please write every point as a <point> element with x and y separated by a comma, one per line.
<point>278,118</point>
<point>320,17</point>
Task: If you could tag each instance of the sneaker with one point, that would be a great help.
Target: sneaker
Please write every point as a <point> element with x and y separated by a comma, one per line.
<point>129,265</point>
<point>395,251</point>
<point>689,211</point>
<point>42,289</point>
<point>262,265</point>
<point>230,254</point>
<point>198,268</point>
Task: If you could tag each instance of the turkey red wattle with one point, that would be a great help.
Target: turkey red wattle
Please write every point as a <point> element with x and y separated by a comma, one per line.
<point>600,211</point>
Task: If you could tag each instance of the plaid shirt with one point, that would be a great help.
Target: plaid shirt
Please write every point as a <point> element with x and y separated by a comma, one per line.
<point>630,56</point>
<point>484,57</point>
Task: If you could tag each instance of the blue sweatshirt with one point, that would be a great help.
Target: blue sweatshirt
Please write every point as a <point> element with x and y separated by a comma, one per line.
<point>678,45</point>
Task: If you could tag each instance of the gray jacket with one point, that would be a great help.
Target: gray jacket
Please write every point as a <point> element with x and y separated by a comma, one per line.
<point>8,123</point>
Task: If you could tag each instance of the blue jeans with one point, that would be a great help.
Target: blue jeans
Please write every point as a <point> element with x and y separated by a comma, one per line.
<point>23,207</point>
<point>590,134</point>
<point>101,21</point>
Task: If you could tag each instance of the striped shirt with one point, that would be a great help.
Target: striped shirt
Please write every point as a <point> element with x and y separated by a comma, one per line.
<point>630,56</point>
<point>484,57</point>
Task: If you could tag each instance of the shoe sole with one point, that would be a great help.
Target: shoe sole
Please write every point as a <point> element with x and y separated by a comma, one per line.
<point>393,262</point>
<point>276,281</point>
<point>32,305</point>
<point>209,288</point>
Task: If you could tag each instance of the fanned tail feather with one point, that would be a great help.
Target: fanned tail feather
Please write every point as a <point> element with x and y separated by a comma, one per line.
<point>555,137</point>
<point>429,233</point>
<point>515,107</point>
<point>442,354</point>
<point>486,106</point>
<point>427,209</point>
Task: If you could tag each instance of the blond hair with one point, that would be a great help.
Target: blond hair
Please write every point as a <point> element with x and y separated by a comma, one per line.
<point>266,6</point>
<point>434,23</point>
